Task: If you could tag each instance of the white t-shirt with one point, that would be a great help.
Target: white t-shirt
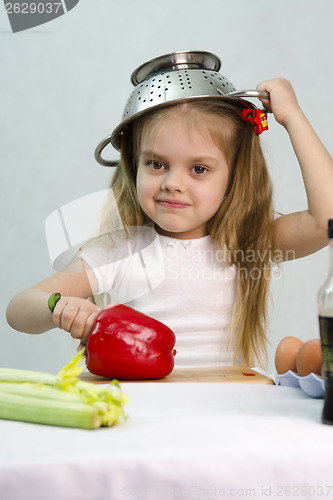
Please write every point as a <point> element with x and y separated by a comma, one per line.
<point>184,284</point>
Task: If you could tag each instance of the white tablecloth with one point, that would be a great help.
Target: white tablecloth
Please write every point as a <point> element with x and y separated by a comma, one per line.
<point>182,440</point>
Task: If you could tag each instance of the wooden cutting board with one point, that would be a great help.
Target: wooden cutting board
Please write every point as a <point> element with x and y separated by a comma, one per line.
<point>226,374</point>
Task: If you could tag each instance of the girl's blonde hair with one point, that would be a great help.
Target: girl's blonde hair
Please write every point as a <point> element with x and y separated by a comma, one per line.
<point>242,226</point>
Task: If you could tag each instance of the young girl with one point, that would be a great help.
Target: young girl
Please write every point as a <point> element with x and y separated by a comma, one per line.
<point>200,235</point>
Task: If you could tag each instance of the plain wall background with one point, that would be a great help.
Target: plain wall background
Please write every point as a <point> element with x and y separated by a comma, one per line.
<point>63,88</point>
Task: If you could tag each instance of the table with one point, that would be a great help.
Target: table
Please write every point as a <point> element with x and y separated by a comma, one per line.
<point>188,440</point>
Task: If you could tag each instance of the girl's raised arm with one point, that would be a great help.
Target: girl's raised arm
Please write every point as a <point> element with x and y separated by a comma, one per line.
<point>28,310</point>
<point>303,232</point>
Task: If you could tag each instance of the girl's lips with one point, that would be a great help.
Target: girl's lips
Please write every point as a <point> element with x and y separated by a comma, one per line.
<point>172,204</point>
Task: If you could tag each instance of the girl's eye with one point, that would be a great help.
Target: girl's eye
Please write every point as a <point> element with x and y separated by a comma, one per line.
<point>199,170</point>
<point>156,165</point>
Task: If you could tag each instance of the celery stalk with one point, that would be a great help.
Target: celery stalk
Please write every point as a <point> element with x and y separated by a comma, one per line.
<point>61,399</point>
<point>17,375</point>
<point>38,391</point>
<point>49,412</point>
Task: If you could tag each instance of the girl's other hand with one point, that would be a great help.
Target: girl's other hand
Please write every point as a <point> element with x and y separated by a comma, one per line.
<point>283,103</point>
<point>76,316</point>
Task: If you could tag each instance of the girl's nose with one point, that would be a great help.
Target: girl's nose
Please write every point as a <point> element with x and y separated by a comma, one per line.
<point>172,182</point>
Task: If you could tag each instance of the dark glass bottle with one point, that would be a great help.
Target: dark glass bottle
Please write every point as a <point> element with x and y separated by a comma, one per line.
<point>325,310</point>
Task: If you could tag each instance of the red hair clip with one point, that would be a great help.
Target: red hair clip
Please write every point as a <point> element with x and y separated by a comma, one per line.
<point>257,118</point>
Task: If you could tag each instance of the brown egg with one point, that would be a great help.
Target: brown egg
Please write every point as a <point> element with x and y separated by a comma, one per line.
<point>309,359</point>
<point>285,354</point>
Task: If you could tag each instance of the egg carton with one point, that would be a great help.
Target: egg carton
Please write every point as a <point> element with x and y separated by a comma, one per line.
<point>312,384</point>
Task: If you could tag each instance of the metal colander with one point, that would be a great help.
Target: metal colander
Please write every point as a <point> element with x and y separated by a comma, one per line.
<point>173,78</point>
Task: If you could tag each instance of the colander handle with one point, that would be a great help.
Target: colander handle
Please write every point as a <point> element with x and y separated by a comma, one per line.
<point>98,153</point>
<point>260,94</point>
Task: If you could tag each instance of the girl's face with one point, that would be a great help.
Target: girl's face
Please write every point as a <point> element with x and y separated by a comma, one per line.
<point>182,177</point>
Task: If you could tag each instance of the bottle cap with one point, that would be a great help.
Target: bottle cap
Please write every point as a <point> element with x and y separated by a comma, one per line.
<point>330,228</point>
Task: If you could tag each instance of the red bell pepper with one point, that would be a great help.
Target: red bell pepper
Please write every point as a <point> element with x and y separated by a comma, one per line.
<point>129,345</point>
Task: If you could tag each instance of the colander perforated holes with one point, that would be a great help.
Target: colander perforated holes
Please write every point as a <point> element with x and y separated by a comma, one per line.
<point>159,88</point>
